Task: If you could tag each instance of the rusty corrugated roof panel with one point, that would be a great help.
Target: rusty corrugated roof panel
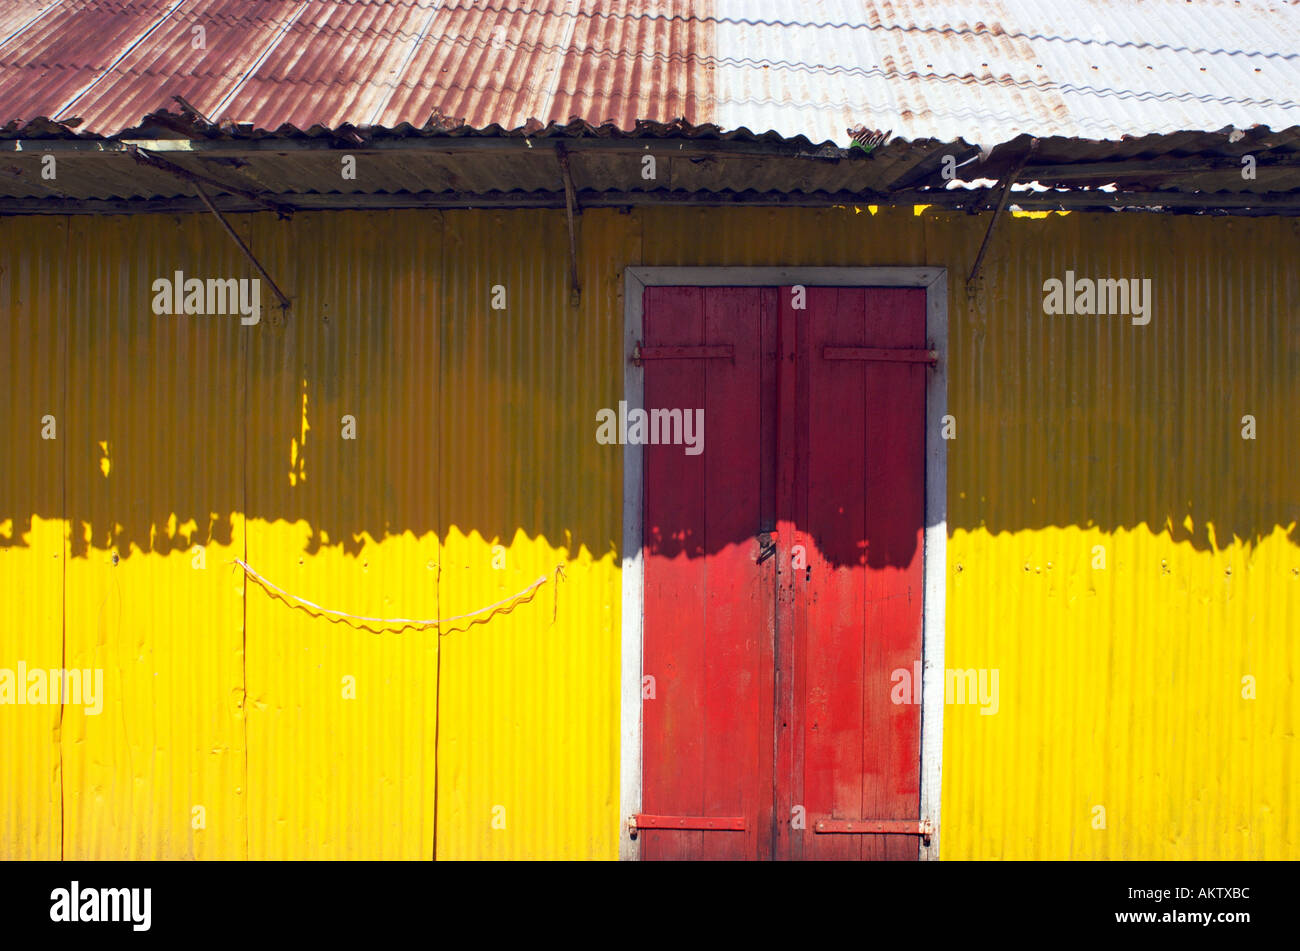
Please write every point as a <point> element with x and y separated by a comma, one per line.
<point>337,63</point>
<point>17,15</point>
<point>1110,109</point>
<point>984,73</point>
<point>613,62</point>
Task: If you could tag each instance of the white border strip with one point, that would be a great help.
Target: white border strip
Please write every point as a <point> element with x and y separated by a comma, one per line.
<point>935,282</point>
<point>936,562</point>
<point>633,578</point>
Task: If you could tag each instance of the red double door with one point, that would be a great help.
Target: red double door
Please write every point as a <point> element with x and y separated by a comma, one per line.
<point>783,574</point>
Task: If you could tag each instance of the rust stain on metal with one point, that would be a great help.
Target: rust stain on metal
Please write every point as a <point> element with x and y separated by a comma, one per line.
<point>1079,69</point>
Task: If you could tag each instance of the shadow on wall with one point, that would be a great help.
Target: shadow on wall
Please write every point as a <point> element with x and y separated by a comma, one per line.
<point>174,426</point>
<point>355,414</point>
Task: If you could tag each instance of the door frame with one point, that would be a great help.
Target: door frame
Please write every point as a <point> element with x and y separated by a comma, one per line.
<point>934,280</point>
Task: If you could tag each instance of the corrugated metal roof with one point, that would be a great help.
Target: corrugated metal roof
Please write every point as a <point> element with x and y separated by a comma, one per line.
<point>990,71</point>
<point>732,97</point>
<point>982,72</point>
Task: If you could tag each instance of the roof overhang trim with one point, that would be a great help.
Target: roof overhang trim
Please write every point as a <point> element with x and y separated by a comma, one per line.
<point>444,164</point>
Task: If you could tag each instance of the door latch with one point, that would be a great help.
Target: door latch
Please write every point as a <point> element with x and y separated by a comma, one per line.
<point>641,821</point>
<point>922,827</point>
<point>766,546</point>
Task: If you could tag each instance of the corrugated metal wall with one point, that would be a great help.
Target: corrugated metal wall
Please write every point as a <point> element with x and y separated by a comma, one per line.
<point>341,717</point>
<point>475,470</point>
<point>33,346</point>
<point>153,437</point>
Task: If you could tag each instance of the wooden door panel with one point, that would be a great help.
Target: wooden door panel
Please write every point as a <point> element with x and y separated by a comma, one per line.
<point>708,599</point>
<point>857,612</point>
<point>772,691</point>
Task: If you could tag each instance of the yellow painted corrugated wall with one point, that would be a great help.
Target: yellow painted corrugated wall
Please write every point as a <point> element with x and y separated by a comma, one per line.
<point>33,329</point>
<point>237,726</point>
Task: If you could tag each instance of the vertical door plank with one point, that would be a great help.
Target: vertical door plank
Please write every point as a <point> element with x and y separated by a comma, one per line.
<point>737,624</point>
<point>790,444</point>
<point>836,527</point>
<point>675,586</point>
<point>859,491</point>
<point>895,493</point>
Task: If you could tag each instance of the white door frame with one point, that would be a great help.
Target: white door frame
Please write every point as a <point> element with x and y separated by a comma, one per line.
<point>934,280</point>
